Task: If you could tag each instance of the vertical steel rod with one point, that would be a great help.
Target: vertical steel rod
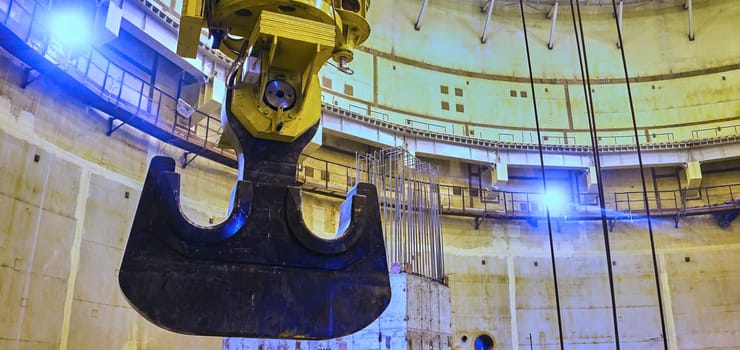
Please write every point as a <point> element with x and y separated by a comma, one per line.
<point>554,16</point>
<point>420,19</point>
<point>484,36</point>
<point>410,199</point>
<point>620,12</point>
<point>691,19</point>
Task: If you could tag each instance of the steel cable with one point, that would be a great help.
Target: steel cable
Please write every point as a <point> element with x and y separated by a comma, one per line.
<point>586,78</point>
<point>642,179</point>
<point>544,179</point>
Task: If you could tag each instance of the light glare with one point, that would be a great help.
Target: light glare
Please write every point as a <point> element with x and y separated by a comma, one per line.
<point>555,201</point>
<point>71,28</point>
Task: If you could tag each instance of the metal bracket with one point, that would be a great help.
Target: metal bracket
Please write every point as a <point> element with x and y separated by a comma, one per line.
<point>479,220</point>
<point>112,128</point>
<point>725,218</point>
<point>29,77</point>
<point>186,161</point>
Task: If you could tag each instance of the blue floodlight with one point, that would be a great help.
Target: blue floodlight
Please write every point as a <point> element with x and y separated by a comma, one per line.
<point>555,200</point>
<point>71,27</point>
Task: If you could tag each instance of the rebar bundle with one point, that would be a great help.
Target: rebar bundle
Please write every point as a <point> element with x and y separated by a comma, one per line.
<point>409,205</point>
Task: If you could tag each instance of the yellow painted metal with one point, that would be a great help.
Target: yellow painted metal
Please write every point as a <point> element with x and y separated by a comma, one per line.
<point>693,174</point>
<point>294,50</point>
<point>290,40</point>
<point>191,23</point>
<point>354,29</point>
<point>240,17</point>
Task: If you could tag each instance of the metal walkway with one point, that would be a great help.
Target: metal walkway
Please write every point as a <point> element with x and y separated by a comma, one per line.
<point>106,86</point>
<point>128,100</point>
<point>334,179</point>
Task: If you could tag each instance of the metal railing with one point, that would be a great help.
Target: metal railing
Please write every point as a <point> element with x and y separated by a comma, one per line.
<point>112,83</point>
<point>28,19</point>
<point>559,140</point>
<point>723,130</point>
<point>427,126</point>
<point>326,176</point>
<point>679,201</point>
<point>335,178</point>
<point>630,139</point>
<point>328,98</point>
<point>125,91</point>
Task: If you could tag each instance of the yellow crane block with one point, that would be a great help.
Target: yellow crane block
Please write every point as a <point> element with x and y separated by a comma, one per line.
<point>191,23</point>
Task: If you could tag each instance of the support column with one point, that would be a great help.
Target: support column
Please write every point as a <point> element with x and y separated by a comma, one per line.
<point>74,261</point>
<point>592,181</point>
<point>500,174</point>
<point>665,287</point>
<point>512,302</point>
<point>692,171</point>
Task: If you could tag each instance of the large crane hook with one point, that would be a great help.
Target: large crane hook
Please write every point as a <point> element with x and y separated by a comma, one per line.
<point>262,273</point>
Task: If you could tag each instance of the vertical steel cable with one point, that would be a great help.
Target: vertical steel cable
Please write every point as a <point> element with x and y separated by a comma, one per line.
<point>436,229</point>
<point>642,178</point>
<point>586,78</point>
<point>544,179</point>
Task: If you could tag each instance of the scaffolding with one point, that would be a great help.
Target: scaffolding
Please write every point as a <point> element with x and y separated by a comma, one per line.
<point>410,209</point>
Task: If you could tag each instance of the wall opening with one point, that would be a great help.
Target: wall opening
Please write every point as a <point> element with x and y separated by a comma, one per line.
<point>483,342</point>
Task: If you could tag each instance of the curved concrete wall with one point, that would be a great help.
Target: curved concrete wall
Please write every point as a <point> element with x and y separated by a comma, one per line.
<point>501,284</point>
<point>441,78</point>
<point>65,216</point>
<point>67,198</point>
<point>656,41</point>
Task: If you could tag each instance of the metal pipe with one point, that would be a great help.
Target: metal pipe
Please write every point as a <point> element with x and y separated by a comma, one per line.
<point>419,19</point>
<point>484,36</point>
<point>620,11</point>
<point>554,15</point>
<point>691,19</point>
